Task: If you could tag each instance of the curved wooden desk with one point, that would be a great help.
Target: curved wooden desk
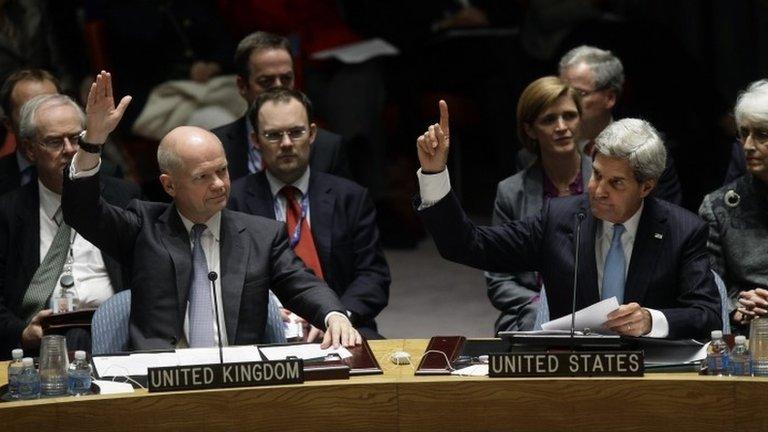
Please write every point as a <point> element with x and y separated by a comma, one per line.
<point>398,400</point>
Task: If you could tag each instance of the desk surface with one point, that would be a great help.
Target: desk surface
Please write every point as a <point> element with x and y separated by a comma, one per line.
<point>398,400</point>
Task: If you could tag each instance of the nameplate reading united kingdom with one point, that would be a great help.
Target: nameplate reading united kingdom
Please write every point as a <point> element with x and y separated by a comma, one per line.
<point>559,364</point>
<point>209,376</point>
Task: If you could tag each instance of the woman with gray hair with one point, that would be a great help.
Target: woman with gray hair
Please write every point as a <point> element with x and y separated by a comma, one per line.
<point>737,214</point>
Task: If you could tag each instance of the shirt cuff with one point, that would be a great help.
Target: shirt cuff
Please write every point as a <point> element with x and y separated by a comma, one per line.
<point>433,187</point>
<point>330,314</point>
<point>659,324</point>
<point>74,174</point>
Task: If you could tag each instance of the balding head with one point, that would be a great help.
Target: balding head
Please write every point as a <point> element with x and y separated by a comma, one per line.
<point>181,143</point>
<point>194,172</point>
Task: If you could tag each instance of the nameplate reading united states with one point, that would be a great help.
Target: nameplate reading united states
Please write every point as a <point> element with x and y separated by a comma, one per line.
<point>586,363</point>
<point>209,376</point>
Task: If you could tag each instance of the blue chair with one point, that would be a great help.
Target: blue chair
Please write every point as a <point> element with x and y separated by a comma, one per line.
<point>109,326</point>
<point>274,332</point>
<point>542,313</point>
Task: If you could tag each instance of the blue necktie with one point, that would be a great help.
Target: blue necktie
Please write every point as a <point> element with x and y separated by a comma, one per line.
<point>615,263</point>
<point>200,302</point>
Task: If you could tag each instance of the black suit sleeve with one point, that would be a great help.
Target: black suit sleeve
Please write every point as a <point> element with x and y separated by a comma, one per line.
<point>368,292</point>
<point>699,310</point>
<point>11,326</point>
<point>515,246</point>
<point>110,228</point>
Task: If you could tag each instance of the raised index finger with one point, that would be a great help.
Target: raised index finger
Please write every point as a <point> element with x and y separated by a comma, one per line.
<point>444,120</point>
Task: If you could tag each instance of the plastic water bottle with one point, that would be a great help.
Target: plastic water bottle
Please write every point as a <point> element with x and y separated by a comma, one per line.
<point>14,369</point>
<point>718,355</point>
<point>29,380</point>
<point>79,375</point>
<point>741,360</point>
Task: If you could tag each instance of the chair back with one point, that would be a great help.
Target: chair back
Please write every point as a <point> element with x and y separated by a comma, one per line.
<point>109,327</point>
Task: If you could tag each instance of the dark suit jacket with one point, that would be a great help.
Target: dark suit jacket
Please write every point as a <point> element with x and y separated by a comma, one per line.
<point>10,177</point>
<point>343,223</point>
<point>150,240</point>
<point>670,273</point>
<point>20,251</point>
<point>517,197</point>
<point>327,154</point>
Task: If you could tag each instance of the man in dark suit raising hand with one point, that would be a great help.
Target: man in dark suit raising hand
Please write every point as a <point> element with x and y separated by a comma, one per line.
<point>170,249</point>
<point>649,254</point>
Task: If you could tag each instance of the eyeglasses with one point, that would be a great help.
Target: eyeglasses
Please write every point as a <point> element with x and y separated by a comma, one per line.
<point>759,136</point>
<point>277,136</point>
<point>56,143</point>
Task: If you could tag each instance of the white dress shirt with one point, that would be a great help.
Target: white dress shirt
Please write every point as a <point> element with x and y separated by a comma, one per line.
<point>92,284</point>
<point>434,187</point>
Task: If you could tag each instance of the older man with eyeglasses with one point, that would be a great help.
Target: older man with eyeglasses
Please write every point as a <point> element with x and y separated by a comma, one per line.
<point>331,221</point>
<point>598,76</point>
<point>36,247</point>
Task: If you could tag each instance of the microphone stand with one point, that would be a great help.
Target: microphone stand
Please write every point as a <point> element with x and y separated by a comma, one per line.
<point>579,219</point>
<point>212,276</point>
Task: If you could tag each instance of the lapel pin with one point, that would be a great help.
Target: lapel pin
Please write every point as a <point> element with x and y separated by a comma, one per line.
<point>658,236</point>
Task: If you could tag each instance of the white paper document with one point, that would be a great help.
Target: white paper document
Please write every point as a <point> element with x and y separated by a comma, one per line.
<point>138,363</point>
<point>472,371</point>
<point>308,351</point>
<point>591,317</point>
<point>113,387</point>
<point>358,52</point>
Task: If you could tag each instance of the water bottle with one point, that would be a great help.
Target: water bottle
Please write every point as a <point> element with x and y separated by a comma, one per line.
<point>79,375</point>
<point>14,369</point>
<point>29,380</point>
<point>717,355</point>
<point>741,360</point>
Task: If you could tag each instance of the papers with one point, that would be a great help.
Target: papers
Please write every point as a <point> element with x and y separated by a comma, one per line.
<point>591,317</point>
<point>112,387</point>
<point>293,328</point>
<point>303,351</point>
<point>472,371</point>
<point>358,52</point>
<point>138,363</point>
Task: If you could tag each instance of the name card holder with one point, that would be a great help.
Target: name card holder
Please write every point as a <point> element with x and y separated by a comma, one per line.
<point>211,376</point>
<point>566,364</point>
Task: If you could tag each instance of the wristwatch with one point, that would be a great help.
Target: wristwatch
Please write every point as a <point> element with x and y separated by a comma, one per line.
<point>90,148</point>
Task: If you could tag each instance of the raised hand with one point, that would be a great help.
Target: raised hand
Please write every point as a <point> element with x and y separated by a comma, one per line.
<point>432,146</point>
<point>102,117</point>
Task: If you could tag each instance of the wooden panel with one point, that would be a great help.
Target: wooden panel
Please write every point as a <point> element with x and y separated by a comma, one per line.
<point>360,407</point>
<point>569,404</point>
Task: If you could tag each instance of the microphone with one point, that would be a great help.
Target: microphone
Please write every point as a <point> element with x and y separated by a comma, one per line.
<point>580,216</point>
<point>212,276</point>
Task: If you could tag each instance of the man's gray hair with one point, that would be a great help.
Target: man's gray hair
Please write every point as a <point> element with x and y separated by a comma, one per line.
<point>28,124</point>
<point>636,141</point>
<point>752,105</point>
<point>608,70</point>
